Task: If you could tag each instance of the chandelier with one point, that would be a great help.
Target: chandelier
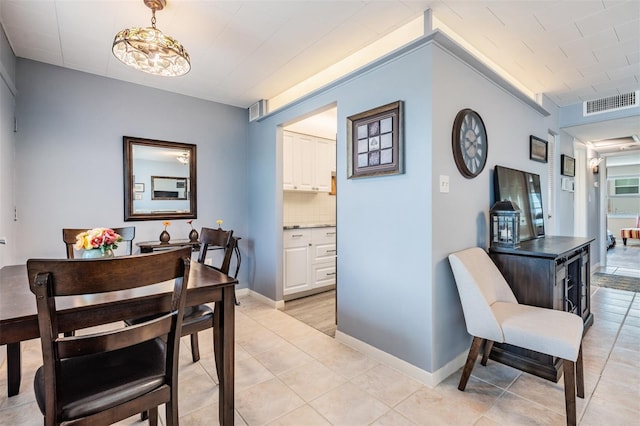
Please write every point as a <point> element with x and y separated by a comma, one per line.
<point>183,158</point>
<point>150,50</point>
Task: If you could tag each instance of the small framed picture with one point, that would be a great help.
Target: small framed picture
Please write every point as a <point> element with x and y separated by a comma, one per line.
<point>567,165</point>
<point>537,149</point>
<point>375,142</point>
<point>138,187</point>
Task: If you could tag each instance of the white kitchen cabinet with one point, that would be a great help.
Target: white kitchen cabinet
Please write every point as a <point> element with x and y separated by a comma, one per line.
<point>323,263</point>
<point>306,163</point>
<point>309,260</point>
<point>297,245</point>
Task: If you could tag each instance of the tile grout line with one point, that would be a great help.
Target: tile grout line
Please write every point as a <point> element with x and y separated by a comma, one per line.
<point>606,362</point>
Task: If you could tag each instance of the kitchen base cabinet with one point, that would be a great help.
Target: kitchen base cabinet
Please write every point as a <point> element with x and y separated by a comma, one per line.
<point>550,272</point>
<point>309,261</point>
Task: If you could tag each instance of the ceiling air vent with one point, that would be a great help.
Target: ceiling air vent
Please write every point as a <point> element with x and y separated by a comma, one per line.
<point>257,110</point>
<point>611,103</point>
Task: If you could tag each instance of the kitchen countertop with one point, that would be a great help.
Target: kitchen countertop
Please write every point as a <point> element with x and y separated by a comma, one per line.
<point>317,225</point>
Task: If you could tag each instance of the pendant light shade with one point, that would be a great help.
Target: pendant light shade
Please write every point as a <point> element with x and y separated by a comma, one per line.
<point>150,50</point>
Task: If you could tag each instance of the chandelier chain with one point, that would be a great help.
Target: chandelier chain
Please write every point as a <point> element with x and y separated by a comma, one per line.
<point>153,19</point>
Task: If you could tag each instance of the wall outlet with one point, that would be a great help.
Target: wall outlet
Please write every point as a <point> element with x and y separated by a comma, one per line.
<point>208,261</point>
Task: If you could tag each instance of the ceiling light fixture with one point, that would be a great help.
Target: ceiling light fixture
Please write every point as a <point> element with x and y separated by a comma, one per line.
<point>184,158</point>
<point>150,50</point>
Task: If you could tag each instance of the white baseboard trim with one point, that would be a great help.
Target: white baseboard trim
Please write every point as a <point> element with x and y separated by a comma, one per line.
<point>279,304</point>
<point>425,377</point>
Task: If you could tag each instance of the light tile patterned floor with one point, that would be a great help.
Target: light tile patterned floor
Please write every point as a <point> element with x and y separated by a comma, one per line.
<point>288,373</point>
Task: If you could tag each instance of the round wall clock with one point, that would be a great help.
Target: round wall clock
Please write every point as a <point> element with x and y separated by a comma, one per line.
<point>469,142</point>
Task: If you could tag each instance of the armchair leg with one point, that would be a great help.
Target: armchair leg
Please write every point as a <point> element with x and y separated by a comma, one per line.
<point>474,350</point>
<point>580,374</point>
<point>569,370</point>
<point>195,348</point>
<point>488,345</point>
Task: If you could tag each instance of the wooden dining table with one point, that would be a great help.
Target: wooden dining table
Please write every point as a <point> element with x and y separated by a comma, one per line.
<point>19,318</point>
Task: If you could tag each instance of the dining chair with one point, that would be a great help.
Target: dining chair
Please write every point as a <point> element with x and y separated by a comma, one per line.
<point>492,314</point>
<point>201,317</point>
<point>127,233</point>
<point>110,373</point>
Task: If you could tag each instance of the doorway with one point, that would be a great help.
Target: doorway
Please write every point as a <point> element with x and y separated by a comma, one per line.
<point>621,196</point>
<point>309,219</point>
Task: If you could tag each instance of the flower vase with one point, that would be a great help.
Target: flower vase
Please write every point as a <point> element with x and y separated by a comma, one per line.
<point>193,235</point>
<point>96,253</point>
<point>164,237</point>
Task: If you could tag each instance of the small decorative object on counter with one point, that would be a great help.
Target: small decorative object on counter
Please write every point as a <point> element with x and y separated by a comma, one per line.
<point>505,224</point>
<point>97,242</point>
<point>219,222</point>
<point>193,235</point>
<point>164,235</point>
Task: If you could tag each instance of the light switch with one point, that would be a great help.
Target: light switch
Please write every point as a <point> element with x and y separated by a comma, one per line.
<point>444,183</point>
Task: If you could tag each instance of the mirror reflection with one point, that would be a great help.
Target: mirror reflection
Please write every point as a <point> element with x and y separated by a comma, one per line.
<point>159,179</point>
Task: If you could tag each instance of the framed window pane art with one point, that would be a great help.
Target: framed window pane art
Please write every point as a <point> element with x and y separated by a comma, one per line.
<point>375,142</point>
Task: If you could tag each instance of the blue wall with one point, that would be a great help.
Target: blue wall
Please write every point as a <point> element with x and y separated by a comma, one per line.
<point>69,155</point>
<point>395,289</point>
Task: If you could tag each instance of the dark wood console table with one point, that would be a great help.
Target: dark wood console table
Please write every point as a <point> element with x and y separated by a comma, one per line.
<point>550,272</point>
<point>151,246</point>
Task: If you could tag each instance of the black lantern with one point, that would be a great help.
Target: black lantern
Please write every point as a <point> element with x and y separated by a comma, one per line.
<point>505,224</point>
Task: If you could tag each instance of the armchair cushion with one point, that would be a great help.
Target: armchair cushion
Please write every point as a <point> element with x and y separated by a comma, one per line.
<point>548,331</point>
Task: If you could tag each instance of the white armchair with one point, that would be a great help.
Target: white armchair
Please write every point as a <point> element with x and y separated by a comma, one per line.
<point>492,314</point>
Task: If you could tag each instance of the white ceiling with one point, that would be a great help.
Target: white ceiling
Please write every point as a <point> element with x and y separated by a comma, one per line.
<point>243,51</point>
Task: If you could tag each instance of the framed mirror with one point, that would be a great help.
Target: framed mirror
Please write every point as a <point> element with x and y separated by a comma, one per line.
<point>159,180</point>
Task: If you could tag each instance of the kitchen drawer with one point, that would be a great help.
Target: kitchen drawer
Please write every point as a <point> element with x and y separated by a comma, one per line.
<point>324,235</point>
<point>296,237</point>
<point>323,274</point>
<point>324,252</point>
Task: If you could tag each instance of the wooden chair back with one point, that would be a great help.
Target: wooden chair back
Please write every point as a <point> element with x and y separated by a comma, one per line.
<point>127,233</point>
<point>217,239</point>
<point>51,279</point>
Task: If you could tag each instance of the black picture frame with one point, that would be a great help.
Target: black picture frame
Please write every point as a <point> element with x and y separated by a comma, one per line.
<point>375,142</point>
<point>538,149</point>
<point>567,165</point>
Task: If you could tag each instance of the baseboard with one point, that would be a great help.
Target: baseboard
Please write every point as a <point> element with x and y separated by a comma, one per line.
<point>276,304</point>
<point>425,377</point>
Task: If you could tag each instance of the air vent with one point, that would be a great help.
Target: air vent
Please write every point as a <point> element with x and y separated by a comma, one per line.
<point>257,110</point>
<point>611,103</point>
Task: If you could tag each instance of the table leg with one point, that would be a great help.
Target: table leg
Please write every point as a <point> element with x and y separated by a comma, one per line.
<point>14,368</point>
<point>224,346</point>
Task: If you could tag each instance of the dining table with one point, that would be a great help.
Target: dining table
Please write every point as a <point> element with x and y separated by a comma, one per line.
<point>19,318</point>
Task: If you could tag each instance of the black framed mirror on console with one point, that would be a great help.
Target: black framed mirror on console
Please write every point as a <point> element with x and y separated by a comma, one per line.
<point>160,179</point>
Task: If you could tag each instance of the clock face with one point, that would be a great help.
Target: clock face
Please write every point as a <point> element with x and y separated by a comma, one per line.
<point>469,142</point>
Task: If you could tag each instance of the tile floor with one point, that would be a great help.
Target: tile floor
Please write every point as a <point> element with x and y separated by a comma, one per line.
<point>288,373</point>
<point>624,260</point>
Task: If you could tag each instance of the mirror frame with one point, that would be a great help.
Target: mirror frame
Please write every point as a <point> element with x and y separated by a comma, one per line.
<point>128,143</point>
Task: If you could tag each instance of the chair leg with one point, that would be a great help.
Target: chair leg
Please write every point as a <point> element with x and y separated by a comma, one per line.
<point>488,345</point>
<point>195,348</point>
<point>474,350</point>
<point>580,374</point>
<point>570,390</point>
<point>153,416</point>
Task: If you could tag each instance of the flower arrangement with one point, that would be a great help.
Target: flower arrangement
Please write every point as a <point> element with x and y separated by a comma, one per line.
<point>164,235</point>
<point>193,234</point>
<point>98,238</point>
